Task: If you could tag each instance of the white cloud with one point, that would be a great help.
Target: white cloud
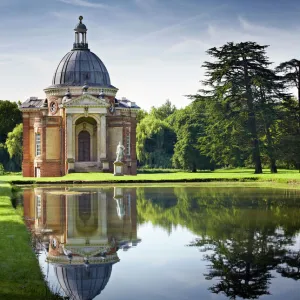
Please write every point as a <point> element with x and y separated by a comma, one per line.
<point>85,3</point>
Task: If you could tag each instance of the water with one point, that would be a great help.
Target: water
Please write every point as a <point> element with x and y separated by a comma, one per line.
<point>167,243</point>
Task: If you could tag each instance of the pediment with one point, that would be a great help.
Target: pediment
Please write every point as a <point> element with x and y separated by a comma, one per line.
<point>86,100</point>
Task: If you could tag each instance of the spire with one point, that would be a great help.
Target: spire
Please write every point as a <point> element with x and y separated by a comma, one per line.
<point>80,36</point>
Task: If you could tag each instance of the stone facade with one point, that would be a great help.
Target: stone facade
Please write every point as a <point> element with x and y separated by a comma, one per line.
<point>79,124</point>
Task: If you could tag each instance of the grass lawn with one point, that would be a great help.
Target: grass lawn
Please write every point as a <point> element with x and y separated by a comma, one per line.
<point>20,275</point>
<point>283,176</point>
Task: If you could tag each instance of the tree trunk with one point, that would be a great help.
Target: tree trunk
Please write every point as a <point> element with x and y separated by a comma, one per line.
<point>273,166</point>
<point>194,169</point>
<point>252,122</point>
<point>270,149</point>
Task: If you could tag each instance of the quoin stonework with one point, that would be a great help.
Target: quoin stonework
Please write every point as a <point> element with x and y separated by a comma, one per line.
<point>79,124</point>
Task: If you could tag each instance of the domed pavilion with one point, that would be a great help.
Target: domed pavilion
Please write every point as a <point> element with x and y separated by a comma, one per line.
<point>79,124</point>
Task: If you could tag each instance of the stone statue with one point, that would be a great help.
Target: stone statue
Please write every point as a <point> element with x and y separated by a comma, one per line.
<point>120,152</point>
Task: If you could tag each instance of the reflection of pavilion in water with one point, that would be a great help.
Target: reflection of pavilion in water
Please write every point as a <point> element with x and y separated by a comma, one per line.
<point>82,231</point>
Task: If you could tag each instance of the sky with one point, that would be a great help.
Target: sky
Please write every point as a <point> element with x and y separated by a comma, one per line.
<point>153,49</point>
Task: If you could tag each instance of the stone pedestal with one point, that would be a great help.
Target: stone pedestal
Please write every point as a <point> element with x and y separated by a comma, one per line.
<point>70,165</point>
<point>118,168</point>
<point>105,165</point>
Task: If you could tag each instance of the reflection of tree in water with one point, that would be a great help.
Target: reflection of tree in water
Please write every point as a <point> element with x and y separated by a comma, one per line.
<point>244,235</point>
<point>242,264</point>
<point>290,266</point>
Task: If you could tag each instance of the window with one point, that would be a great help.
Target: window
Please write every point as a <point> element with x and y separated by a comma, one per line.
<point>38,206</point>
<point>37,144</point>
<point>128,142</point>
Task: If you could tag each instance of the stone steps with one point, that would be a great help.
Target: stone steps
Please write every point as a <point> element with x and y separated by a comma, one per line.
<point>86,167</point>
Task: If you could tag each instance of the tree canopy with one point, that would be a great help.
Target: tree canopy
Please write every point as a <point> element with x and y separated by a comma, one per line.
<point>10,116</point>
<point>14,144</point>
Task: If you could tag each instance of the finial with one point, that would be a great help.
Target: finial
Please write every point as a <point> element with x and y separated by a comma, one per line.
<point>80,19</point>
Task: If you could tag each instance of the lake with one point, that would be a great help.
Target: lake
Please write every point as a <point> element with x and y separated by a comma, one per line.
<point>182,242</point>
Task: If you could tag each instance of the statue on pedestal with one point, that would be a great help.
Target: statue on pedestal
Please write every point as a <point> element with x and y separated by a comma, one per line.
<point>118,164</point>
<point>120,152</point>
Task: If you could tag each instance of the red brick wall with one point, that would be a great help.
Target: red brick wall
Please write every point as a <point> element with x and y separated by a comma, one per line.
<point>51,169</point>
<point>27,166</point>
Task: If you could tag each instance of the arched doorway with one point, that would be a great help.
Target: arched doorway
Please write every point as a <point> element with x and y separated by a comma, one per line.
<point>84,146</point>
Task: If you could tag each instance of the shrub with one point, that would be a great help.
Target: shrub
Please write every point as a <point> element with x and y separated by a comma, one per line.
<point>1,169</point>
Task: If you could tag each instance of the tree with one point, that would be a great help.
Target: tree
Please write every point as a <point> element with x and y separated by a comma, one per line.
<point>189,127</point>
<point>141,114</point>
<point>14,144</point>
<point>10,116</point>
<point>164,111</point>
<point>270,93</point>
<point>290,71</point>
<point>155,142</point>
<point>288,139</point>
<point>291,75</point>
<point>225,137</point>
<point>231,79</point>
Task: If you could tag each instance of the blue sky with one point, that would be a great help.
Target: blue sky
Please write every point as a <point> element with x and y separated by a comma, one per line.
<point>153,49</point>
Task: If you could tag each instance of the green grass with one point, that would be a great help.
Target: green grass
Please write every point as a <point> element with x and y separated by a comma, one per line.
<point>20,275</point>
<point>283,176</point>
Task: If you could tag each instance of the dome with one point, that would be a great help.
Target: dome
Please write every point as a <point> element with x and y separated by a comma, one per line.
<point>80,27</point>
<point>79,67</point>
<point>80,283</point>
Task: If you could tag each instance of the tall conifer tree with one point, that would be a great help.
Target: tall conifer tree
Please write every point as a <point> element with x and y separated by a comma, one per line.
<point>232,78</point>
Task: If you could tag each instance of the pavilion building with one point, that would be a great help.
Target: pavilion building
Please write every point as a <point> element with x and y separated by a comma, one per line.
<point>79,124</point>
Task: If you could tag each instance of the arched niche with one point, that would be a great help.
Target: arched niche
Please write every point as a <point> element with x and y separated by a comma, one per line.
<point>86,132</point>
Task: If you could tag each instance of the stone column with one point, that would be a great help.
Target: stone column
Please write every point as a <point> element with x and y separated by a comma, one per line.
<point>102,223</point>
<point>69,134</point>
<point>69,141</point>
<point>98,142</point>
<point>74,141</point>
<point>103,137</point>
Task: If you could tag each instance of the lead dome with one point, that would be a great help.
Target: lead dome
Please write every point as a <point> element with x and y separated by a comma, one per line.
<point>80,65</point>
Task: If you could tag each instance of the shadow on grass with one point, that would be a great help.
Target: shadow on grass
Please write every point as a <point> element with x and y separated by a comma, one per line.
<point>166,171</point>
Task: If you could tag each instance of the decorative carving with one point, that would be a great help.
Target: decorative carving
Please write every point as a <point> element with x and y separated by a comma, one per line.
<point>53,107</point>
<point>86,100</point>
<point>86,111</point>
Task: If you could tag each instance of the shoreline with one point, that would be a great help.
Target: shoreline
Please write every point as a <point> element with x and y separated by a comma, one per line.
<point>21,276</point>
<point>233,175</point>
<point>257,180</point>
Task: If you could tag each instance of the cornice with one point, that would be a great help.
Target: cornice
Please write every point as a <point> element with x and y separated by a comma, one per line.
<point>77,91</point>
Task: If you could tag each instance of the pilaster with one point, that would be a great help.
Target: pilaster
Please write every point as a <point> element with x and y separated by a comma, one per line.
<point>103,137</point>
